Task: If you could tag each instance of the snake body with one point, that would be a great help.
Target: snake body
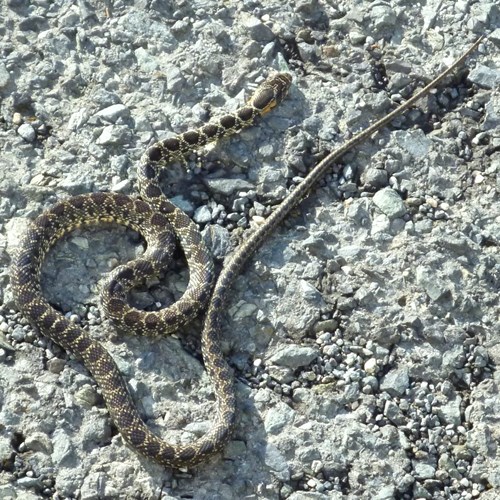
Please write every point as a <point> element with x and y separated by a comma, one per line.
<point>152,216</point>
<point>162,224</point>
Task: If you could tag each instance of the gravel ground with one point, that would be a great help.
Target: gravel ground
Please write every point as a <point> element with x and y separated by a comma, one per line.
<point>364,335</point>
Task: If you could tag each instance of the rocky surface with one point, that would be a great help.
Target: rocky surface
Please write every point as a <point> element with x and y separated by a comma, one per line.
<point>364,335</point>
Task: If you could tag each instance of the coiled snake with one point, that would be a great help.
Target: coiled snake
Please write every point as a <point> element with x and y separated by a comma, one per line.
<point>152,216</point>
<point>157,219</point>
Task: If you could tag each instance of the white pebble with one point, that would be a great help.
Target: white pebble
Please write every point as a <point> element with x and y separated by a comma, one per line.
<point>371,366</point>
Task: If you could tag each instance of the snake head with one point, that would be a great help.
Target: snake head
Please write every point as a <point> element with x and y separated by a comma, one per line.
<point>271,92</point>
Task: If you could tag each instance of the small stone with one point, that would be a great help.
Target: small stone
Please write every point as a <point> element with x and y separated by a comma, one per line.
<point>18,334</point>
<point>278,417</point>
<point>281,374</point>
<point>185,205</point>
<point>113,112</point>
<point>450,413</point>
<point>87,396</point>
<point>27,132</point>
<point>258,30</point>
<point>63,448</point>
<point>202,215</point>
<point>371,366</point>
<point>389,202</point>
<point>328,325</point>
<point>56,365</point>
<point>6,451</point>
<point>121,186</point>
<point>376,177</point>
<point>113,135</point>
<point>175,79</point>
<point>4,76</point>
<point>38,441</point>
<point>393,413</point>
<point>464,482</point>
<point>484,76</point>
<point>396,382</point>
<point>432,284</point>
<point>478,178</point>
<point>382,17</point>
<point>38,180</point>
<point>78,119</point>
<point>424,471</point>
<point>294,356</point>
<point>29,482</point>
<point>277,462</point>
<point>370,384</point>
<point>227,187</point>
<point>316,466</point>
<point>356,37</point>
<point>81,242</point>
<point>145,61</point>
<point>217,239</point>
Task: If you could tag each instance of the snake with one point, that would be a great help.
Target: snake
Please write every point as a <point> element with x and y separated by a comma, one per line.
<point>163,226</point>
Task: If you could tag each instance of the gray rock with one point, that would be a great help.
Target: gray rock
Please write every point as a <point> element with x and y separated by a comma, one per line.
<point>18,334</point>
<point>485,77</point>
<point>294,356</point>
<point>281,374</point>
<point>146,62</point>
<point>389,202</point>
<point>450,413</point>
<point>217,239</point>
<point>202,215</point>
<point>63,450</point>
<point>27,132</point>
<point>94,484</point>
<point>494,36</point>
<point>227,187</point>
<point>414,141</point>
<point>114,135</point>
<point>395,382</point>
<point>492,117</point>
<point>6,451</point>
<point>121,186</point>
<point>258,30</point>
<point>376,177</point>
<point>278,417</point>
<point>113,112</point>
<point>235,450</point>
<point>38,441</point>
<point>383,17</point>
<point>175,79</point>
<point>275,460</point>
<point>393,413</point>
<point>30,482</point>
<point>432,283</point>
<point>424,471</point>
<point>8,492</point>
<point>4,76</point>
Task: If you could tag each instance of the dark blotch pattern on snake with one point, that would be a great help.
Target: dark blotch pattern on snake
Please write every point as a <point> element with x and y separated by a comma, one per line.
<point>160,223</point>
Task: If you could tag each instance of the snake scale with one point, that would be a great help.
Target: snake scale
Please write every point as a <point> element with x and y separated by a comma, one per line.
<point>162,224</point>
